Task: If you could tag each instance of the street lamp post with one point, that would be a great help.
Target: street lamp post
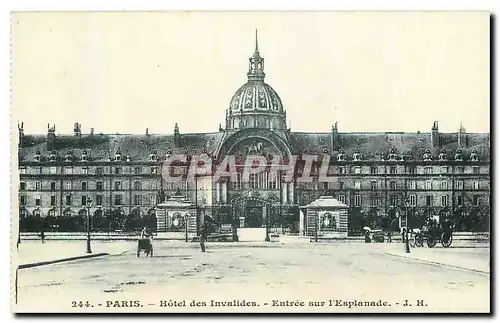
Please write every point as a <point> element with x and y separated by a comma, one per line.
<point>407,244</point>
<point>267,224</point>
<point>89,205</point>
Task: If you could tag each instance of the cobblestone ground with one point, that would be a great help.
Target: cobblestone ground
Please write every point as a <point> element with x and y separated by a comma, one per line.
<point>262,273</point>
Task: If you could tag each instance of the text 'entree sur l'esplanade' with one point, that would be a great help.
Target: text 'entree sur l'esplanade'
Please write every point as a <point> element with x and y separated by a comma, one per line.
<point>274,303</point>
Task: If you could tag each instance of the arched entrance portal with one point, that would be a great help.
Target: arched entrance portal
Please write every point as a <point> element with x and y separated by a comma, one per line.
<point>251,212</point>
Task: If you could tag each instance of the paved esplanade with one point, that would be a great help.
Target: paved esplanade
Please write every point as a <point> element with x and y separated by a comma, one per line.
<point>269,277</point>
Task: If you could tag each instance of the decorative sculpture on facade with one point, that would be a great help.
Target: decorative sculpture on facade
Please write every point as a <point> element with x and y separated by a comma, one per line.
<point>458,155</point>
<point>473,156</point>
<point>356,156</point>
<point>442,155</point>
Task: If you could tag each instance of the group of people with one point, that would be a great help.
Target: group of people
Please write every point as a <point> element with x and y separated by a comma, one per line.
<point>203,232</point>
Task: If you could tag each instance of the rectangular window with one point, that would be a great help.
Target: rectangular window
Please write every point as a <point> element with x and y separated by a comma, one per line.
<point>99,186</point>
<point>413,185</point>
<point>412,169</point>
<point>444,169</point>
<point>273,183</point>
<point>138,170</point>
<point>341,185</point>
<point>22,170</point>
<point>68,200</point>
<point>475,185</point>
<point>118,185</point>
<point>357,170</point>
<point>460,185</point>
<point>137,200</point>
<point>22,186</point>
<point>52,186</point>
<point>341,198</point>
<point>98,199</point>
<point>39,170</point>
<point>154,170</point>
<point>22,199</point>
<point>428,200</point>
<point>373,170</point>
<point>38,186</point>
<point>475,170</point>
<point>118,170</point>
<point>99,171</point>
<point>373,200</point>
<point>393,200</point>
<point>393,185</point>
<point>68,170</point>
<point>38,200</point>
<point>444,200</point>
<point>152,199</point>
<point>85,170</point>
<point>428,185</point>
<point>342,170</point>
<point>69,186</point>
<point>84,200</point>
<point>413,200</point>
<point>476,199</point>
<point>84,186</point>
<point>325,185</point>
<point>392,170</point>
<point>444,185</point>
<point>373,185</point>
<point>118,200</point>
<point>153,186</point>
<point>53,170</point>
<point>428,170</point>
<point>357,200</point>
<point>52,200</point>
<point>460,200</point>
<point>357,185</point>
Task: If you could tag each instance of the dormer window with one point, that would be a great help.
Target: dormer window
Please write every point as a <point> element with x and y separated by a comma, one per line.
<point>341,156</point>
<point>458,155</point>
<point>153,156</point>
<point>53,156</point>
<point>442,155</point>
<point>85,156</point>
<point>69,156</point>
<point>169,153</point>
<point>325,150</point>
<point>356,156</point>
<point>427,155</point>
<point>473,156</point>
<point>118,155</point>
<point>392,155</point>
<point>38,155</point>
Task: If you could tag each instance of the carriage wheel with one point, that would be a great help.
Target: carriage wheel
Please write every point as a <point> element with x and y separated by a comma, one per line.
<point>446,239</point>
<point>431,241</point>
<point>419,241</point>
<point>413,240</point>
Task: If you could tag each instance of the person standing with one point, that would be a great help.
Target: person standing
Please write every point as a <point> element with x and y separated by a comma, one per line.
<point>203,236</point>
<point>42,235</point>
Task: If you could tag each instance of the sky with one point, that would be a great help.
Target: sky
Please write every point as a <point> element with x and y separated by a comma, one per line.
<point>369,71</point>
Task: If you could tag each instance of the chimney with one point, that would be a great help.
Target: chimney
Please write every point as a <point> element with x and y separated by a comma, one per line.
<point>51,138</point>
<point>147,131</point>
<point>435,135</point>
<point>78,130</point>
<point>91,131</point>
<point>335,138</point>
<point>20,128</point>
<point>177,136</point>
<point>462,137</point>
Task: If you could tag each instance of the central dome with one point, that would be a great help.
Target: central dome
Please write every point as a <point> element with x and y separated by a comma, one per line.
<point>256,96</point>
<point>256,104</point>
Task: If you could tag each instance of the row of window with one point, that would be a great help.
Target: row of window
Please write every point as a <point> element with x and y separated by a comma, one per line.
<point>70,170</point>
<point>396,200</point>
<point>393,170</point>
<point>138,170</point>
<point>394,185</point>
<point>118,185</point>
<point>68,200</point>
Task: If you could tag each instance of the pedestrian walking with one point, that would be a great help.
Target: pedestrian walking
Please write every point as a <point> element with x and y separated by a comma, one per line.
<point>203,236</point>
<point>42,235</point>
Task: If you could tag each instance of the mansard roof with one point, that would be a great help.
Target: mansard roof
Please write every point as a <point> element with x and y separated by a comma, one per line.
<point>371,145</point>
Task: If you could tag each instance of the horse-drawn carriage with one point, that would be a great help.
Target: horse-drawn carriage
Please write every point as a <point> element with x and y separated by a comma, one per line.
<point>432,234</point>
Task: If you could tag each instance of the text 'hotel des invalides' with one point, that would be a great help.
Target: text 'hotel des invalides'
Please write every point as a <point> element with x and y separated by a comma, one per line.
<point>375,176</point>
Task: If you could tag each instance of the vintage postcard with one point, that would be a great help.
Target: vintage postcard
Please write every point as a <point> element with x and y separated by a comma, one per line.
<point>250,162</point>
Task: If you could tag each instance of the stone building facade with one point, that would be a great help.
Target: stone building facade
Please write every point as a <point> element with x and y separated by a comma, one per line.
<point>378,175</point>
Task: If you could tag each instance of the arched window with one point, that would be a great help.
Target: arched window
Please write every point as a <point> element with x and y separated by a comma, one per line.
<point>52,213</point>
<point>68,212</point>
<point>118,185</point>
<point>23,213</point>
<point>37,213</point>
<point>137,185</point>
